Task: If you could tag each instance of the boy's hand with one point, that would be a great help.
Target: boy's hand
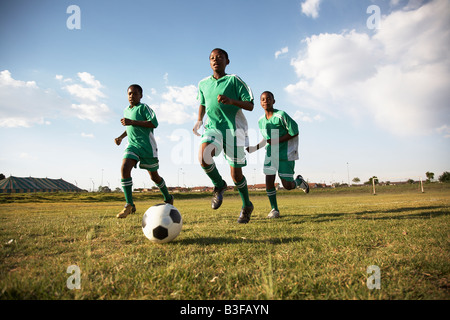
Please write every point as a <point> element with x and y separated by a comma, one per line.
<point>126,122</point>
<point>224,99</point>
<point>251,149</point>
<point>118,141</point>
<point>197,127</point>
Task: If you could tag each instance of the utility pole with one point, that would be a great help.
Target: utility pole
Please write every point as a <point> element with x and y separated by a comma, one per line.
<point>348,175</point>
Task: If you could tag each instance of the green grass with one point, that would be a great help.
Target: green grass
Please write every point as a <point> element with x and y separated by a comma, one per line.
<point>319,249</point>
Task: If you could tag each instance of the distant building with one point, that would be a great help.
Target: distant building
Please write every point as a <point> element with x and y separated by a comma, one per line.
<point>24,185</point>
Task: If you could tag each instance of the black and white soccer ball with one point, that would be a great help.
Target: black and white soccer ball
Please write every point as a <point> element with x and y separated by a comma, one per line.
<point>162,223</point>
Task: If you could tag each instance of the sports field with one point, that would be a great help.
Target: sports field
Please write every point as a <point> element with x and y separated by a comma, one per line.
<point>321,248</point>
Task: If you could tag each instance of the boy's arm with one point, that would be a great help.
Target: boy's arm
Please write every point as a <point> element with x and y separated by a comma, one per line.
<point>198,124</point>
<point>284,138</point>
<point>251,149</point>
<point>246,105</point>
<point>119,139</point>
<point>129,122</point>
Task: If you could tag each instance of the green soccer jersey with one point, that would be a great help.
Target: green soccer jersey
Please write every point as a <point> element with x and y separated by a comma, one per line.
<point>274,128</point>
<point>220,116</point>
<point>142,138</point>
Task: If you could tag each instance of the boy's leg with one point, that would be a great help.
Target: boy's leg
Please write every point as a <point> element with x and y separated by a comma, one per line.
<point>161,184</point>
<point>286,173</point>
<point>300,182</point>
<point>241,184</point>
<point>235,156</point>
<point>151,164</point>
<point>127,186</point>
<point>271,191</point>
<point>127,182</point>
<point>288,185</point>
<point>207,152</point>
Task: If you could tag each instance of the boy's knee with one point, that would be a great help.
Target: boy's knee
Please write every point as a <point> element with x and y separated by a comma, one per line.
<point>236,174</point>
<point>201,159</point>
<point>155,177</point>
<point>127,166</point>
<point>206,153</point>
<point>288,185</point>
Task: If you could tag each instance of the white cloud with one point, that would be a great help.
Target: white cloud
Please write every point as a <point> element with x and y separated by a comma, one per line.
<point>311,8</point>
<point>93,112</point>
<point>89,79</point>
<point>87,135</point>
<point>174,137</point>
<point>87,94</point>
<point>178,105</point>
<point>399,76</point>
<point>445,130</point>
<point>24,104</point>
<point>14,122</point>
<point>27,156</point>
<point>93,90</point>
<point>6,80</point>
<point>280,52</point>
<point>413,4</point>
<point>306,117</point>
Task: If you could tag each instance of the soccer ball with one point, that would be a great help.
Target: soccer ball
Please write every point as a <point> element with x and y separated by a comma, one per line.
<point>162,223</point>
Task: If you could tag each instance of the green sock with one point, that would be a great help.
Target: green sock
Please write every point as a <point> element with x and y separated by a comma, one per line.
<point>214,175</point>
<point>243,192</point>
<point>163,188</point>
<point>298,181</point>
<point>272,194</point>
<point>127,186</point>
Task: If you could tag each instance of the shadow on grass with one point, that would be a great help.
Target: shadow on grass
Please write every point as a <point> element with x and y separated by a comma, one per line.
<point>424,212</point>
<point>226,240</point>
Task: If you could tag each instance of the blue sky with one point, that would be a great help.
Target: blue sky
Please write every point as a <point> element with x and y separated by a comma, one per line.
<point>369,92</point>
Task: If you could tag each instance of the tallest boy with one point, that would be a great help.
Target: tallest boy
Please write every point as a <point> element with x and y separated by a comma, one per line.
<point>223,97</point>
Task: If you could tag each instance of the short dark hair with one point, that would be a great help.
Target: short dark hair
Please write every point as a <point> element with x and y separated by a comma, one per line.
<point>273,97</point>
<point>136,86</point>
<point>221,51</point>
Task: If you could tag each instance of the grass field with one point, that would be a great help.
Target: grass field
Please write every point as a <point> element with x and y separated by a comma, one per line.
<point>319,249</point>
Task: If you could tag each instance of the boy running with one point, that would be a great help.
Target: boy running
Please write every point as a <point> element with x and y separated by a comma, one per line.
<point>280,131</point>
<point>140,120</point>
<point>222,97</point>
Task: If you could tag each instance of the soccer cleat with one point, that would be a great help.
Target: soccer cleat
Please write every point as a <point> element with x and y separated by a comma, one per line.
<point>245,214</point>
<point>217,199</point>
<point>129,208</point>
<point>273,214</point>
<point>303,185</point>
<point>170,201</point>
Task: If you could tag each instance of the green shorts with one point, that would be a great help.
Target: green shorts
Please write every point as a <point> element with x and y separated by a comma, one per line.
<point>147,163</point>
<point>285,169</point>
<point>234,154</point>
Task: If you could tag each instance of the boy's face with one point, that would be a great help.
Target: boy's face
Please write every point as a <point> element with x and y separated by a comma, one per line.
<point>267,101</point>
<point>218,61</point>
<point>134,96</point>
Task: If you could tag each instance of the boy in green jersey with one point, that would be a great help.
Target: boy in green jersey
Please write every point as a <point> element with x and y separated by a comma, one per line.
<point>280,132</point>
<point>223,97</point>
<point>140,120</point>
